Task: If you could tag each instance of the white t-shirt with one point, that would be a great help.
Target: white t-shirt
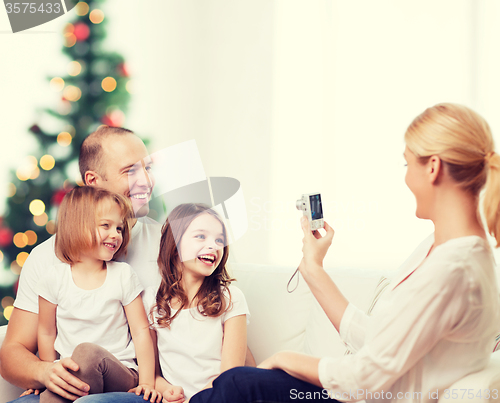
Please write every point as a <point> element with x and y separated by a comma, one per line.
<point>425,332</point>
<point>93,316</point>
<point>190,350</point>
<point>142,251</point>
<point>142,255</point>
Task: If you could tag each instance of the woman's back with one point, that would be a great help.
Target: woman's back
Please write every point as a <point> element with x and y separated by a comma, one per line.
<point>438,324</point>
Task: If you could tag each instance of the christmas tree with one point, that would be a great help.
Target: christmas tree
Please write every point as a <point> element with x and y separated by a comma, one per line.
<point>95,91</point>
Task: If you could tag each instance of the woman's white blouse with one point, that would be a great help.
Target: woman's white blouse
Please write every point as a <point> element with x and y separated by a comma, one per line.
<point>425,332</point>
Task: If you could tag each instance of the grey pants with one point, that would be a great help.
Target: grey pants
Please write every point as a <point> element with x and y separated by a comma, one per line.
<point>100,370</point>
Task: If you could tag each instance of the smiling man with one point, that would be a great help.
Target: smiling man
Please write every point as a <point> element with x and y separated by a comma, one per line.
<point>117,160</point>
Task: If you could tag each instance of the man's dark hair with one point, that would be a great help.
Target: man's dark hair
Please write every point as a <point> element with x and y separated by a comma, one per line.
<point>91,152</point>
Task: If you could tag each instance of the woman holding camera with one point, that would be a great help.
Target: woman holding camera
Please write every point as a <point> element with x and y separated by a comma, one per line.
<point>436,321</point>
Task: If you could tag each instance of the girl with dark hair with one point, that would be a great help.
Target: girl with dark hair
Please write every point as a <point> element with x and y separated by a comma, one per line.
<point>198,319</point>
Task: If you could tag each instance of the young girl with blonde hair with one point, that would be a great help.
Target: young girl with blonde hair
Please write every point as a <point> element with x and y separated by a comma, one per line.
<point>88,303</point>
<point>436,321</point>
<point>198,318</point>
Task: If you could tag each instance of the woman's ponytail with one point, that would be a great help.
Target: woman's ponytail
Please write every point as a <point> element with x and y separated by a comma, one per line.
<point>491,202</point>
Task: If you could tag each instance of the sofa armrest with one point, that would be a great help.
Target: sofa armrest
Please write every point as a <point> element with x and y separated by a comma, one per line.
<point>484,385</point>
<point>8,391</point>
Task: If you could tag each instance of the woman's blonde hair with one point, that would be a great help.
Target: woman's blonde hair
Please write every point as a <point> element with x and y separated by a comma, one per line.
<point>462,139</point>
<point>76,229</point>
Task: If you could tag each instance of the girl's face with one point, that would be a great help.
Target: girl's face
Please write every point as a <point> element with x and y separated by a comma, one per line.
<point>201,246</point>
<point>109,231</point>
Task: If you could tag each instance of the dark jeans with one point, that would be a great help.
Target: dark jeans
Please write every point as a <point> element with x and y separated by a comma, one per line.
<point>254,385</point>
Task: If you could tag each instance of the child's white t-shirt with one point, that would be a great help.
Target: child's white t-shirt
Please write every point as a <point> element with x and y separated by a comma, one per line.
<point>190,350</point>
<point>92,316</point>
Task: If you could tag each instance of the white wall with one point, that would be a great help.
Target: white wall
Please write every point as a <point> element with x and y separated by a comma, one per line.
<point>292,97</point>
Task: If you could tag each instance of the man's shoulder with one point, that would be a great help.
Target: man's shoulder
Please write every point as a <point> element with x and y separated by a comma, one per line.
<point>148,220</point>
<point>46,247</point>
<point>145,234</point>
<point>147,224</point>
<point>44,253</point>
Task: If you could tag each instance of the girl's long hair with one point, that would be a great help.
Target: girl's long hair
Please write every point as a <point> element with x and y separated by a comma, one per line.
<point>210,297</point>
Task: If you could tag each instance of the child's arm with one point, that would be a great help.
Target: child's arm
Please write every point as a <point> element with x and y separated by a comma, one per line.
<point>139,329</point>
<point>234,344</point>
<point>47,330</point>
<point>171,393</point>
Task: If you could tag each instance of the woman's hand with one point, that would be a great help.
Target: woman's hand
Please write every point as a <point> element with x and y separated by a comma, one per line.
<point>150,393</point>
<point>174,394</point>
<point>269,363</point>
<point>301,366</point>
<point>311,267</point>
<point>315,246</point>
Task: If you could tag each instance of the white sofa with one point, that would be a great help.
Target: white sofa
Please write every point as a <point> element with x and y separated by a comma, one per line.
<point>283,321</point>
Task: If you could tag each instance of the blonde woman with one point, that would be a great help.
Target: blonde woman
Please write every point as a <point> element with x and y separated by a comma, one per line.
<point>438,318</point>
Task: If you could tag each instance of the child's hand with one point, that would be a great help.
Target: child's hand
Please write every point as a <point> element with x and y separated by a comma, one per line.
<point>174,394</point>
<point>30,391</point>
<point>150,393</point>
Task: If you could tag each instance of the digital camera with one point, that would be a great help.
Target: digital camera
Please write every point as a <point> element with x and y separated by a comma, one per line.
<point>310,204</point>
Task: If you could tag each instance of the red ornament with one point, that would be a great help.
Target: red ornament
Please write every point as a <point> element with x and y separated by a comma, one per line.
<point>114,119</point>
<point>16,286</point>
<point>81,31</point>
<point>123,70</point>
<point>35,129</point>
<point>58,197</point>
<point>5,237</point>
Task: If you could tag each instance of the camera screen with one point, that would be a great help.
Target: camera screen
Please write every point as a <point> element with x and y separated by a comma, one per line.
<point>316,210</point>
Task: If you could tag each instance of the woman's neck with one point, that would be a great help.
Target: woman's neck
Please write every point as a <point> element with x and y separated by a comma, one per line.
<point>455,215</point>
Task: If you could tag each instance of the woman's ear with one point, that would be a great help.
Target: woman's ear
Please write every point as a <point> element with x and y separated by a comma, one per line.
<point>434,168</point>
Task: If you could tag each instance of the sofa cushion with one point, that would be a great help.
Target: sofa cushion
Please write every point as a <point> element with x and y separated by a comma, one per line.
<point>278,318</point>
<point>479,387</point>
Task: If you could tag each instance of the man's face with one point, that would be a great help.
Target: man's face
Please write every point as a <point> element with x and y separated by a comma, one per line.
<point>127,167</point>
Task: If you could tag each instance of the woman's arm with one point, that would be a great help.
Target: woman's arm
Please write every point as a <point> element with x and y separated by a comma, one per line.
<point>301,366</point>
<point>311,267</point>
<point>47,330</point>
<point>139,329</point>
